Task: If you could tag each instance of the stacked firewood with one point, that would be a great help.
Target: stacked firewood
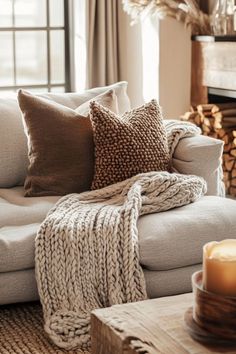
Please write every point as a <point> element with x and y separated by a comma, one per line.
<point>219,121</point>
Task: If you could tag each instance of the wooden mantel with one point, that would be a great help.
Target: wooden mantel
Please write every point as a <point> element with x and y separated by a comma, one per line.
<point>213,66</point>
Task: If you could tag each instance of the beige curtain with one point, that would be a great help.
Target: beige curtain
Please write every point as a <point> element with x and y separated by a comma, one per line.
<point>103,48</point>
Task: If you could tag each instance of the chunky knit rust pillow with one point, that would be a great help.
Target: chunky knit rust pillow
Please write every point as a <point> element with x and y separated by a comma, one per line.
<point>134,143</point>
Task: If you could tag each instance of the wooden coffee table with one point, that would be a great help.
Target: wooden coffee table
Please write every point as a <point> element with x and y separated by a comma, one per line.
<point>147,327</point>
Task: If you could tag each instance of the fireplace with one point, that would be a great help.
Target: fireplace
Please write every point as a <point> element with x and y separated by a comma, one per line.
<point>213,96</point>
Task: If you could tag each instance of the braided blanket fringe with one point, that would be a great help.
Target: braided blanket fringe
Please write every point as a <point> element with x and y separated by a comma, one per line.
<point>87,250</point>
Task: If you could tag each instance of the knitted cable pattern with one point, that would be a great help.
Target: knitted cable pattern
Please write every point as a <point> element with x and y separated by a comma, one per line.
<point>87,250</point>
<point>177,130</point>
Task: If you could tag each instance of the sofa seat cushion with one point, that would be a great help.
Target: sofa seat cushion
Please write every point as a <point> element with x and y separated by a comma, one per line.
<point>175,238</point>
<point>20,218</point>
<point>21,286</point>
<point>18,286</point>
<point>167,240</point>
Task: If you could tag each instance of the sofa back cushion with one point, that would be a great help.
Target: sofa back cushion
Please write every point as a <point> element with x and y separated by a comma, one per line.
<point>13,145</point>
<point>107,99</point>
<point>13,141</point>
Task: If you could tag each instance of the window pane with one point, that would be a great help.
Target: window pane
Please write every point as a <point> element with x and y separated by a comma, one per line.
<point>7,93</point>
<point>56,13</point>
<point>30,13</point>
<point>37,90</point>
<point>5,13</point>
<point>31,57</point>
<point>59,89</point>
<point>57,56</point>
<point>6,59</point>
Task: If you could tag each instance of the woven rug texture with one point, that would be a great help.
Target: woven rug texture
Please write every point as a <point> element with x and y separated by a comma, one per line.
<point>21,331</point>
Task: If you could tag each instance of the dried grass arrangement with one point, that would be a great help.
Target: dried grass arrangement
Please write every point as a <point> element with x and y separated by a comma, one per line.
<point>186,11</point>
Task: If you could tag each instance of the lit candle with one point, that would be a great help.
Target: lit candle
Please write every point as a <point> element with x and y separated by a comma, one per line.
<point>219,267</point>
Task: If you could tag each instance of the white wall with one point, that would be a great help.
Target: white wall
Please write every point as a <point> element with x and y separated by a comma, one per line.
<point>130,39</point>
<point>174,68</point>
<point>150,46</point>
<point>157,64</point>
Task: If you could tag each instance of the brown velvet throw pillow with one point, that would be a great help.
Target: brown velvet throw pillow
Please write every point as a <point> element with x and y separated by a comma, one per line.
<point>134,143</point>
<point>61,148</point>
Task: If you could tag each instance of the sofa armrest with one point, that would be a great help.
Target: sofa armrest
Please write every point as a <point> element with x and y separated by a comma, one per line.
<point>201,156</point>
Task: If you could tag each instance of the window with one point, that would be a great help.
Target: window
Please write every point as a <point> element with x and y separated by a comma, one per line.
<point>34,49</point>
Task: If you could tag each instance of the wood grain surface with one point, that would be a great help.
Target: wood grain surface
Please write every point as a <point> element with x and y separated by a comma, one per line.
<point>147,327</point>
<point>214,121</point>
<point>213,65</point>
<point>213,313</point>
<point>199,91</point>
<point>219,65</point>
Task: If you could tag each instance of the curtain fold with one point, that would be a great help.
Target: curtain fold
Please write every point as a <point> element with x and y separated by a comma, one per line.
<point>204,5</point>
<point>103,42</point>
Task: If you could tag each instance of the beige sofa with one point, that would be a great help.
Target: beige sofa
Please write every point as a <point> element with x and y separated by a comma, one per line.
<point>170,242</point>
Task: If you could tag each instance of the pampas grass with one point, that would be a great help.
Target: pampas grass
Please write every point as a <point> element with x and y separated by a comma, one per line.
<point>186,11</point>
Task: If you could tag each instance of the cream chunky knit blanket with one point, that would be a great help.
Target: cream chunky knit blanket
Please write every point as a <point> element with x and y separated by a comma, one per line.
<point>87,247</point>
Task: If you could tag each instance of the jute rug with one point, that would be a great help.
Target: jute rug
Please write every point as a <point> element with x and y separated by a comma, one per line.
<point>21,331</point>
